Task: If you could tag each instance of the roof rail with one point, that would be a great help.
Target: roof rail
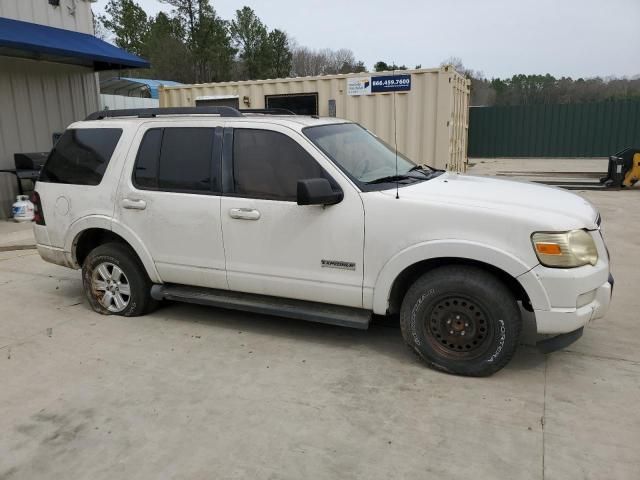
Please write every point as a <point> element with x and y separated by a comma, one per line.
<point>154,112</point>
<point>268,111</point>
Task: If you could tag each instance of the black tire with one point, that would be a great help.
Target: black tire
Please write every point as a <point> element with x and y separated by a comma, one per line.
<point>461,319</point>
<point>135,278</point>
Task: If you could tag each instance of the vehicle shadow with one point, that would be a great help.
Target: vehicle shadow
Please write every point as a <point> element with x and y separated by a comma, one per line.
<point>382,337</point>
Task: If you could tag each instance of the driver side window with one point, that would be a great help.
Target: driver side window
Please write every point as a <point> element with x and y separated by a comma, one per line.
<point>268,165</point>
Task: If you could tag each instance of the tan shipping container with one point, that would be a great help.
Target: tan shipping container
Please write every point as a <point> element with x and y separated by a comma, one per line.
<point>432,117</point>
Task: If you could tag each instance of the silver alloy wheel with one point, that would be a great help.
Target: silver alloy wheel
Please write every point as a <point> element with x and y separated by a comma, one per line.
<point>111,287</point>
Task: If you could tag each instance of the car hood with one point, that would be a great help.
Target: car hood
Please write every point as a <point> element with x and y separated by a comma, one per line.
<point>555,207</point>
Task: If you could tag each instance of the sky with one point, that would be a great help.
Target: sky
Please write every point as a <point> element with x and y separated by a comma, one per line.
<point>577,38</point>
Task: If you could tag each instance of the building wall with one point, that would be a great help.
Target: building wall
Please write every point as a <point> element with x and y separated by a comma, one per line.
<point>116,102</point>
<point>38,99</point>
<point>431,121</point>
<point>594,129</point>
<point>71,14</point>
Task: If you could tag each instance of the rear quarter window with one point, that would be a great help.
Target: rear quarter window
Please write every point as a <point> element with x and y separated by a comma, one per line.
<point>81,156</point>
<point>177,159</point>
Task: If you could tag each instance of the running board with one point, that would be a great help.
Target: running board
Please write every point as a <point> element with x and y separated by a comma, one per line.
<point>281,307</point>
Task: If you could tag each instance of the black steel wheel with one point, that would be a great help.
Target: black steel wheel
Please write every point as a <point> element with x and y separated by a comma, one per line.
<point>458,327</point>
<point>462,320</point>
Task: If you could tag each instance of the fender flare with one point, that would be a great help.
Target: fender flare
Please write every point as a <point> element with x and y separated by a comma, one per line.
<point>452,249</point>
<point>106,223</point>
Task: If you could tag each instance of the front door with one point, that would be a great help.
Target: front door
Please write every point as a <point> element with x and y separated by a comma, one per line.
<point>171,201</point>
<point>275,246</point>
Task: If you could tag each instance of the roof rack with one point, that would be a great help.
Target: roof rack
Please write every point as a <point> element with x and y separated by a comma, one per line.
<point>268,111</point>
<point>154,112</point>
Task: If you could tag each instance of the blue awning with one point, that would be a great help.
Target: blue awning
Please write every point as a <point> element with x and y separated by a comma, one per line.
<point>30,40</point>
<point>154,84</point>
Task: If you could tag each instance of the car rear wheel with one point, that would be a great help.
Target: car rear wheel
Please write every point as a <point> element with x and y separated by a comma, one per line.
<point>462,320</point>
<point>115,282</point>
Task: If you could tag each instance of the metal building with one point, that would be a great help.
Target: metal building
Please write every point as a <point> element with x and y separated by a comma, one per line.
<point>118,93</point>
<point>134,87</point>
<point>431,106</point>
<point>48,60</point>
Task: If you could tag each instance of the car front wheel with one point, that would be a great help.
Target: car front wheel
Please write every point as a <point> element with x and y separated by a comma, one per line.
<point>462,320</point>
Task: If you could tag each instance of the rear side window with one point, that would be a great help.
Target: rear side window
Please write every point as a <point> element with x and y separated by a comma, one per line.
<point>268,165</point>
<point>177,159</point>
<point>81,156</point>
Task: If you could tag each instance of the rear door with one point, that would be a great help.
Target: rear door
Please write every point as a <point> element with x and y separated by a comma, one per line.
<point>169,197</point>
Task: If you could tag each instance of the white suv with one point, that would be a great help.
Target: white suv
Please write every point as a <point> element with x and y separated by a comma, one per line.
<point>317,219</point>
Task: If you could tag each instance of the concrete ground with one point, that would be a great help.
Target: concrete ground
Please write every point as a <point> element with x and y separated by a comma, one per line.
<point>15,234</point>
<point>191,392</point>
<point>527,166</point>
<point>542,169</point>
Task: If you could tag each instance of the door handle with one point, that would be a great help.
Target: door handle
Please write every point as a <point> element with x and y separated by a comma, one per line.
<point>133,204</point>
<point>244,213</point>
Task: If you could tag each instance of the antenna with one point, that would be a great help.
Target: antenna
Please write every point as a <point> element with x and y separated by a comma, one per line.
<point>395,135</point>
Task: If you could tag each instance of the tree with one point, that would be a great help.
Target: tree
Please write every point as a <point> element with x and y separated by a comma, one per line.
<point>212,47</point>
<point>380,66</point>
<point>386,67</point>
<point>99,31</point>
<point>359,67</point>
<point>343,61</point>
<point>546,89</point>
<point>456,63</point>
<point>250,37</point>
<point>308,62</point>
<point>280,55</point>
<point>128,21</point>
<point>185,11</point>
<point>166,50</point>
<point>482,92</point>
<point>207,38</point>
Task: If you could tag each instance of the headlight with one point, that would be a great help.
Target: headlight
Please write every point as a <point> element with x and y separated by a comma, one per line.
<point>565,249</point>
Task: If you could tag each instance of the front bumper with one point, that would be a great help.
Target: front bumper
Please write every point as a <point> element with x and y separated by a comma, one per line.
<point>564,320</point>
<point>566,299</point>
<point>557,342</point>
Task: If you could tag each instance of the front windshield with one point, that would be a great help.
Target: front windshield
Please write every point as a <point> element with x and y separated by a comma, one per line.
<point>364,156</point>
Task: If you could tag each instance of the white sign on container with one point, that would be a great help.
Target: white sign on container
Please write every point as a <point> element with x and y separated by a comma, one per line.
<point>359,86</point>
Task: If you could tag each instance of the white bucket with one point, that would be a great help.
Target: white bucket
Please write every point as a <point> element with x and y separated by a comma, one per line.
<point>22,209</point>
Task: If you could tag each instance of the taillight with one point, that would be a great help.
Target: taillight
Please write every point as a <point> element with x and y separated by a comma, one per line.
<point>38,215</point>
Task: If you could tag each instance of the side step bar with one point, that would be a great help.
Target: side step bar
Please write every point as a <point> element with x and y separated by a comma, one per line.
<point>282,307</point>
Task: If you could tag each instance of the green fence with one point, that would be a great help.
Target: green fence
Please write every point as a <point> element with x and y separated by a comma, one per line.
<point>568,130</point>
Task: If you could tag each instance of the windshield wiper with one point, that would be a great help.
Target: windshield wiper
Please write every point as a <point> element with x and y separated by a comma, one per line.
<point>390,179</point>
<point>422,168</point>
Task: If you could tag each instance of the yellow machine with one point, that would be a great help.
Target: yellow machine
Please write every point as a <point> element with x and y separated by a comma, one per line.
<point>624,169</point>
<point>633,175</point>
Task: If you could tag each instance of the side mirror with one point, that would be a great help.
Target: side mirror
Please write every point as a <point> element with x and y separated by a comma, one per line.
<point>317,191</point>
